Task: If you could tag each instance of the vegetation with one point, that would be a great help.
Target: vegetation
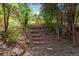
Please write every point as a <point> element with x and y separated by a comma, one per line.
<point>54,12</point>
<point>58,19</point>
<point>51,13</point>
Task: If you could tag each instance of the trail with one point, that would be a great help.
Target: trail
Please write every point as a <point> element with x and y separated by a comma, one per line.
<point>41,44</point>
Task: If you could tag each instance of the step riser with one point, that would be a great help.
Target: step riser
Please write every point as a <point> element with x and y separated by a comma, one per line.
<point>36,36</point>
<point>38,40</point>
<point>35,28</point>
<point>34,33</point>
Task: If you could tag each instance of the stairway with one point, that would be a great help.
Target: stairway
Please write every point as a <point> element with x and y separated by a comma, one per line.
<point>36,37</point>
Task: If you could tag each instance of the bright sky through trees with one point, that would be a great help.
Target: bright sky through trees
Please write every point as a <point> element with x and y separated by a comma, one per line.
<point>36,8</point>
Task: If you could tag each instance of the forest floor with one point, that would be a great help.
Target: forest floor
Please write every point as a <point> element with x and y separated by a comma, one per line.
<point>54,48</point>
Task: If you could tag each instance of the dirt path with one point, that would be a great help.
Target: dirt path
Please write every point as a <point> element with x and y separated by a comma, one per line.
<point>54,48</point>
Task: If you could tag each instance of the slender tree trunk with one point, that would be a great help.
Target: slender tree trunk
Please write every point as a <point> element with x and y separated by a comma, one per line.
<point>57,30</point>
<point>25,39</point>
<point>6,18</point>
<point>5,26</point>
<point>71,19</point>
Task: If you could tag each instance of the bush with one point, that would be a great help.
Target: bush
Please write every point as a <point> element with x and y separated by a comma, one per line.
<point>13,30</point>
<point>12,38</point>
<point>50,27</point>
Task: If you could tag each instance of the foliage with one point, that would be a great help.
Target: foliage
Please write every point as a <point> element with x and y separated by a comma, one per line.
<point>49,13</point>
<point>14,30</point>
<point>25,13</point>
<point>16,17</point>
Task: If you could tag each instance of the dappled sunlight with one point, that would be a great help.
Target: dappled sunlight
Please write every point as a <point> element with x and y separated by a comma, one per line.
<point>1,23</point>
<point>37,21</point>
<point>38,29</point>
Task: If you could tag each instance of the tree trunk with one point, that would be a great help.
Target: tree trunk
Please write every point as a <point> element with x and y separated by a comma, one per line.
<point>25,39</point>
<point>6,18</point>
<point>57,30</point>
<point>71,19</point>
<point>5,26</point>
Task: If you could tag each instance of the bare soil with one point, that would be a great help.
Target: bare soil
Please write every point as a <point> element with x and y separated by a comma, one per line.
<point>53,47</point>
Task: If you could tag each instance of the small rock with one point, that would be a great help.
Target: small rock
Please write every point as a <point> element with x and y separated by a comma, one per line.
<point>17,51</point>
<point>50,48</point>
<point>4,46</point>
<point>28,42</point>
<point>71,52</point>
<point>34,48</point>
<point>27,54</point>
<point>1,43</point>
<point>1,54</point>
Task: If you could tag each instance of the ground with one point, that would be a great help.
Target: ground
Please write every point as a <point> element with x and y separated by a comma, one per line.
<point>54,48</point>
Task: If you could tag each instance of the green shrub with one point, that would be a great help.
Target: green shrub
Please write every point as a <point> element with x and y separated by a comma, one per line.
<point>12,38</point>
<point>13,30</point>
<point>0,37</point>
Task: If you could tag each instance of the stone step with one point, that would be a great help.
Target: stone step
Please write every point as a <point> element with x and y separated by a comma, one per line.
<point>34,30</point>
<point>35,27</point>
<point>37,38</point>
<point>39,42</point>
<point>36,35</point>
